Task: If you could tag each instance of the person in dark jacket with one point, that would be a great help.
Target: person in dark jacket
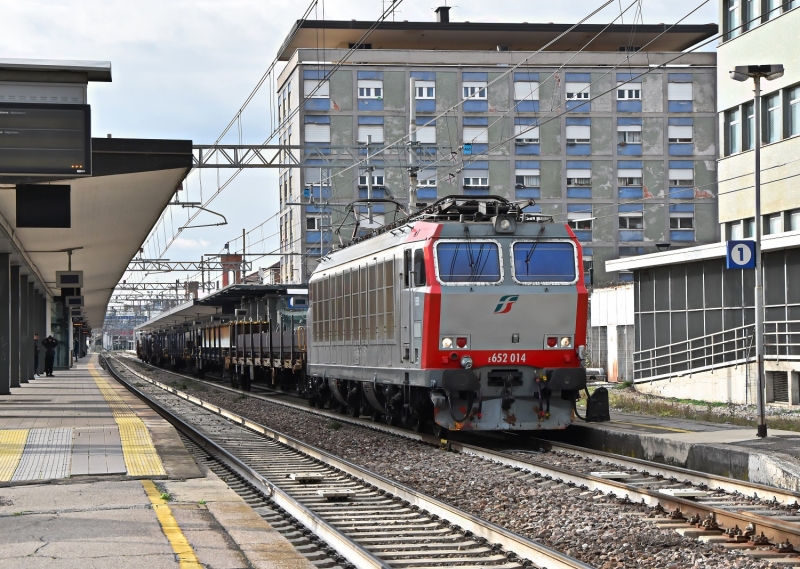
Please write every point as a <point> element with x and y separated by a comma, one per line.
<point>36,354</point>
<point>49,345</point>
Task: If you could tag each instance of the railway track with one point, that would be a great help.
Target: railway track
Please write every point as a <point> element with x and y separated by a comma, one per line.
<point>693,504</point>
<point>367,519</point>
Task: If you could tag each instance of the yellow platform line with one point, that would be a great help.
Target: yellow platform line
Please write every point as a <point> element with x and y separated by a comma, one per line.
<point>141,458</point>
<point>673,429</point>
<point>169,525</point>
<point>12,445</point>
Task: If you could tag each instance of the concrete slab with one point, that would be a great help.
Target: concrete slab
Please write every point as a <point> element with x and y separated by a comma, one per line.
<point>262,545</point>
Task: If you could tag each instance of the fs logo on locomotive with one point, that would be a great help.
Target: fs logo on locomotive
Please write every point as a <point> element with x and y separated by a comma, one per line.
<point>505,304</point>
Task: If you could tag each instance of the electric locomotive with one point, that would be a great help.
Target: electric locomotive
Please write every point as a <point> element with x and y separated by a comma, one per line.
<point>470,314</point>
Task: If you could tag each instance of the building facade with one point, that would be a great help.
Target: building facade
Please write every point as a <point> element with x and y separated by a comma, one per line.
<point>621,145</point>
<point>694,317</point>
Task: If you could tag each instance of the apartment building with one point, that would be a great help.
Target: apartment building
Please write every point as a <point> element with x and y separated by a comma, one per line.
<point>619,139</point>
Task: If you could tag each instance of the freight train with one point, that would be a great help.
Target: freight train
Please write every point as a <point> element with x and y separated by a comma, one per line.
<point>470,314</point>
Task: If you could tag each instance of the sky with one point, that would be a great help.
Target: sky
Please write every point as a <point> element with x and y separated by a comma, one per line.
<point>182,69</point>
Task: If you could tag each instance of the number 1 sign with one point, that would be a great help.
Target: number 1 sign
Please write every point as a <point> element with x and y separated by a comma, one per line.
<point>741,255</point>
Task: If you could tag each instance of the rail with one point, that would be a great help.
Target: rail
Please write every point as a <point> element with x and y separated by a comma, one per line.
<point>718,349</point>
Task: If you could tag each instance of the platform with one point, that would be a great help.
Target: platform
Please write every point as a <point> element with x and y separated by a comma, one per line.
<point>716,448</point>
<point>92,477</point>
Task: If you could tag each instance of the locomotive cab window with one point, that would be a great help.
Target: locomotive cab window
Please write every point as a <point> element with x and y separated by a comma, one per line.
<point>468,262</point>
<point>544,262</point>
<point>419,268</point>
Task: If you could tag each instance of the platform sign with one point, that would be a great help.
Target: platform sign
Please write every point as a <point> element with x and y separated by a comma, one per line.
<point>69,279</point>
<point>45,140</point>
<point>740,254</point>
<point>73,301</point>
<point>467,149</point>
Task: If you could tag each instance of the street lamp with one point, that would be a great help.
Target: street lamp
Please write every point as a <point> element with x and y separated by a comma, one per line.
<point>743,73</point>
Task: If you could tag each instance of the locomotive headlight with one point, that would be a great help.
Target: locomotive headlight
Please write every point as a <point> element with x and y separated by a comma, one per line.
<point>566,342</point>
<point>466,362</point>
<point>447,343</point>
<point>505,225</point>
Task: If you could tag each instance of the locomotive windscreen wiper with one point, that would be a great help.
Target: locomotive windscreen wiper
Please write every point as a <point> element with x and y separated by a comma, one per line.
<point>533,248</point>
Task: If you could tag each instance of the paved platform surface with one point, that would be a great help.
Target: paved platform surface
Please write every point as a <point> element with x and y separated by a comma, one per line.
<point>717,448</point>
<point>85,470</point>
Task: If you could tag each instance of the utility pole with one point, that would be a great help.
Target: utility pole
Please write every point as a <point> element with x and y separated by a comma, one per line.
<point>412,131</point>
<point>370,169</point>
<point>244,267</point>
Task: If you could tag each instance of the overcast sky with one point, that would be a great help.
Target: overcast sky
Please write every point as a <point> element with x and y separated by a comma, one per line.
<point>181,69</point>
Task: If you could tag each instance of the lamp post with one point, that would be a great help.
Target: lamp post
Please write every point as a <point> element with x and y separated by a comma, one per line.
<point>743,73</point>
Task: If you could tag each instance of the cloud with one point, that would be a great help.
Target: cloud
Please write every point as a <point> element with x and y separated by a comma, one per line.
<point>185,244</point>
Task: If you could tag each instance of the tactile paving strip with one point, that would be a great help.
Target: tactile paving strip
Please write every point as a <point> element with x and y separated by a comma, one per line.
<point>141,458</point>
<point>12,445</point>
<point>46,456</point>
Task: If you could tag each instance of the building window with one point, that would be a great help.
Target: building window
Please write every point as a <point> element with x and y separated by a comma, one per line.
<point>367,130</point>
<point>578,91</point>
<point>577,177</point>
<point>580,220</point>
<point>629,177</point>
<point>680,134</point>
<point>527,179</point>
<point>368,89</point>
<point>794,111</point>
<point>772,104</point>
<point>474,90</point>
<point>772,224</point>
<point>741,229</point>
<point>313,223</point>
<point>750,14</point>
<point>317,132</point>
<point>526,90</point>
<point>773,9</point>
<point>426,134</point>
<point>681,221</point>
<point>681,177</point>
<point>425,89</point>
<point>427,182</point>
<point>578,134</point>
<point>526,134</point>
<point>476,134</point>
<point>631,220</point>
<point>313,89</point>
<point>732,19</point>
<point>476,179</point>
<point>733,131</point>
<point>793,221</point>
<point>629,91</point>
<point>629,134</point>
<point>749,135</point>
<point>679,91</point>
<point>377,179</point>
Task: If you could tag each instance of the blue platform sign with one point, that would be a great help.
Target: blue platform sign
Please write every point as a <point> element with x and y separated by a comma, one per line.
<point>741,254</point>
<point>467,149</point>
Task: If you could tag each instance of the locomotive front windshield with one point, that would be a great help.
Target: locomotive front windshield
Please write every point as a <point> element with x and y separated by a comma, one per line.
<point>544,262</point>
<point>468,262</point>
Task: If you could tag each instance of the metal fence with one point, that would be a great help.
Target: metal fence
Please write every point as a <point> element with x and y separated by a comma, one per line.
<point>720,349</point>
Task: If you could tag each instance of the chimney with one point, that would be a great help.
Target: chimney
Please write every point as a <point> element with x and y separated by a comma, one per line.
<point>443,14</point>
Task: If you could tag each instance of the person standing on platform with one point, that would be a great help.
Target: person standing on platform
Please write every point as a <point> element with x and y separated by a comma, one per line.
<point>49,344</point>
<point>36,355</point>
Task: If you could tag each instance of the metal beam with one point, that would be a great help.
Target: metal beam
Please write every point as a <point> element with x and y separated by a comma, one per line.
<point>158,266</point>
<point>296,156</point>
<point>149,286</point>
